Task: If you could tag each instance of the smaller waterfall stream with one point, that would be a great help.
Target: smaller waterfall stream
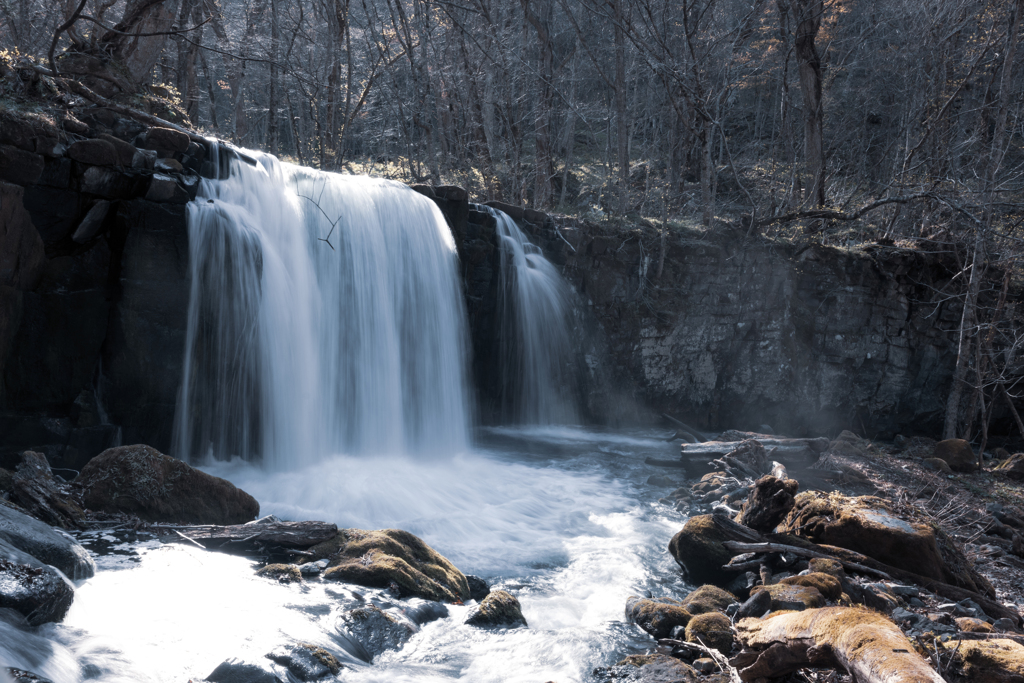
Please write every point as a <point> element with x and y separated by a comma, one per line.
<point>536,345</point>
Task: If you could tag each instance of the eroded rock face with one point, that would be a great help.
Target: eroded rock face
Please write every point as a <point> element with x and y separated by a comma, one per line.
<point>142,481</point>
<point>392,558</point>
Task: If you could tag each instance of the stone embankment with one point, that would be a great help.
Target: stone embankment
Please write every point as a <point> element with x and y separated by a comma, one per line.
<point>894,569</point>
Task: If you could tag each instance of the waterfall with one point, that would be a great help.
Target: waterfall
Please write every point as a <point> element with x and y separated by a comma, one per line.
<point>536,346</point>
<point>326,316</point>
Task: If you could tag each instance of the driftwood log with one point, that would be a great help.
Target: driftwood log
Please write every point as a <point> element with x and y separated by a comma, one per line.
<point>241,536</point>
<point>863,642</point>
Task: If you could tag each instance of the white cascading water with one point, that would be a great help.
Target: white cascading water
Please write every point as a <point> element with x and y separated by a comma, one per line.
<point>325,316</point>
<point>537,358</point>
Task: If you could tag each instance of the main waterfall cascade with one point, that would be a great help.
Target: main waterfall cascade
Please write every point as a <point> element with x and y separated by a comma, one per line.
<point>536,345</point>
<point>326,316</point>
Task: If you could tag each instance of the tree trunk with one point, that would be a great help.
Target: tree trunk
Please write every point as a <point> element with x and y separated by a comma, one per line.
<point>138,53</point>
<point>621,118</point>
<point>807,17</point>
<point>543,165</point>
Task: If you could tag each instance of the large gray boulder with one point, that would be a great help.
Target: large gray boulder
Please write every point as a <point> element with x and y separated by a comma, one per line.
<point>44,543</point>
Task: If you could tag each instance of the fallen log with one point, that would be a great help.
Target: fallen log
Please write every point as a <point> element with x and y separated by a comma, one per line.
<point>717,449</point>
<point>289,534</point>
<point>683,427</point>
<point>863,642</point>
<point>818,444</point>
<point>768,547</point>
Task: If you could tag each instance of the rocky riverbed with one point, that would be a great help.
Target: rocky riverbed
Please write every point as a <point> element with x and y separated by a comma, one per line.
<point>843,560</point>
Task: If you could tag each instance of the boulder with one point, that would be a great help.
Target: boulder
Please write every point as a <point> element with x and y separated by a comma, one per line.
<point>94,152</point>
<point>708,598</point>
<point>657,616</point>
<point>829,586</point>
<point>166,139</point>
<point>125,150</point>
<point>306,661</point>
<point>42,496</point>
<point>755,606</point>
<point>392,558</point>
<point>937,465</point>
<point>713,629</point>
<point>786,597</point>
<point>699,551</point>
<point>769,502</point>
<point>868,525</point>
<point>142,481</point>
<point>283,573</point>
<point>999,660</point>
<point>499,608</point>
<point>478,588</point>
<point>376,630</point>
<point>1012,467</point>
<point>44,543</point>
<point>40,593</point>
<point>973,625</point>
<point>655,668</point>
<point>958,454</point>
<point>237,671</point>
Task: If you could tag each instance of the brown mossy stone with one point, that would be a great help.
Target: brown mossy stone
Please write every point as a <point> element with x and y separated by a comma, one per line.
<point>709,481</point>
<point>657,616</point>
<point>998,660</point>
<point>868,525</point>
<point>972,625</point>
<point>661,669</point>
<point>958,454</point>
<point>936,464</point>
<point>499,608</point>
<point>826,565</point>
<point>708,598</point>
<point>826,584</point>
<point>379,558</point>
<point>142,481</point>
<point>713,629</point>
<point>791,598</point>
<point>285,573</point>
<point>768,503</point>
<point>699,551</point>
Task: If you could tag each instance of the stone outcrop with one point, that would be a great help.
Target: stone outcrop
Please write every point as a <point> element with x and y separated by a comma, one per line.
<point>140,480</point>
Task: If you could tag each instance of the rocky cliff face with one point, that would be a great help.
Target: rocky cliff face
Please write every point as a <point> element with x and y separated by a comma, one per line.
<point>718,330</point>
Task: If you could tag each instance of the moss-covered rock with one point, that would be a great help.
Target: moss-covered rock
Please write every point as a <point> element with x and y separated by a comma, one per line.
<point>713,629</point>
<point>379,559</point>
<point>142,481</point>
<point>769,502</point>
<point>657,616</point>
<point>699,551</point>
<point>499,608</point>
<point>709,482</point>
<point>972,625</point>
<point>869,525</point>
<point>708,598</point>
<point>958,454</point>
<point>285,573</point>
<point>788,597</point>
<point>828,585</point>
<point>827,565</point>
<point>998,660</point>
<point>936,464</point>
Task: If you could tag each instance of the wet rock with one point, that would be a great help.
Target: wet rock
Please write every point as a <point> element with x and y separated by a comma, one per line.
<point>499,608</point>
<point>391,556</point>
<point>111,183</point>
<point>869,526</point>
<point>769,502</point>
<point>958,454</point>
<point>478,588</point>
<point>422,612</point>
<point>657,616</point>
<point>40,593</point>
<point>713,629</point>
<point>655,668</point>
<point>22,676</point>
<point>166,139</point>
<point>376,630</point>
<point>283,573</point>
<point>313,568</point>
<point>828,586</point>
<point>238,671</point>
<point>708,598</point>
<point>698,549</point>
<point>166,189</point>
<point>1012,467</point>
<point>756,606</point>
<point>785,597</point>
<point>306,661</point>
<point>39,493</point>
<point>95,152</point>
<point>142,481</point>
<point>45,543</point>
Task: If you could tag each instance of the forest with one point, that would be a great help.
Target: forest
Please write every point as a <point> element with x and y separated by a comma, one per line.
<point>840,121</point>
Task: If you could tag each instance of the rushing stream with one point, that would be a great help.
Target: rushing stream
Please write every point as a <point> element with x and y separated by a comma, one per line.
<point>562,518</point>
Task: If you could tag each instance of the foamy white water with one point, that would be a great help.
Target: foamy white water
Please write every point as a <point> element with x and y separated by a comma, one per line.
<point>325,316</point>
